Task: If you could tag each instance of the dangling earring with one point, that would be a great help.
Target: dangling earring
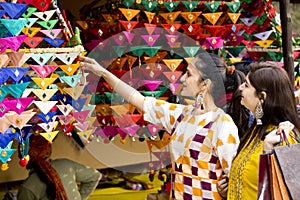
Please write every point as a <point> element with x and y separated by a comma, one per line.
<point>199,101</point>
<point>259,113</point>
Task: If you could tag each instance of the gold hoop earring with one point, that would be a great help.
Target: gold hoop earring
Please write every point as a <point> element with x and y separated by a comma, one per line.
<point>259,113</point>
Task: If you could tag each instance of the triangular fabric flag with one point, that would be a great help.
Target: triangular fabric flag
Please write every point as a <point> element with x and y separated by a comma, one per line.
<point>67,58</point>
<point>65,109</point>
<point>150,28</point>
<point>170,17</point>
<point>215,42</point>
<point>86,134</point>
<point>16,74</point>
<point>80,116</point>
<point>43,71</point>
<point>19,121</point>
<point>16,90</point>
<point>128,25</point>
<point>7,137</point>
<point>45,16</point>
<point>172,64</point>
<point>43,83</point>
<point>121,109</point>
<point>170,5</point>
<point>79,103</point>
<point>250,29</point>
<point>119,39</point>
<point>235,40</point>
<point>29,24</point>
<point>42,58</point>
<point>151,51</point>
<point>233,6</point>
<point>70,69</point>
<point>190,5</point>
<point>4,60</point>
<point>128,3</point>
<point>91,108</point>
<point>150,16</point>
<point>275,56</point>
<point>45,107</point>
<point>248,43</point>
<point>119,50</point>
<point>249,21</point>
<point>2,12</point>
<point>190,17</point>
<point>150,39</point>
<point>150,74</point>
<point>14,10</point>
<point>192,29</point>
<point>48,127</point>
<point>114,98</point>
<point>131,130</point>
<point>264,43</point>
<point>173,76</point>
<point>33,42</point>
<point>3,92</point>
<point>216,30</point>
<point>17,105</point>
<point>51,33</point>
<point>235,51</point>
<point>235,60</point>
<point>46,118</point>
<point>49,136</point>
<point>260,20</point>
<point>29,12</point>
<point>130,60</point>
<point>212,17</point>
<point>30,32</point>
<point>18,58</point>
<point>172,39</point>
<point>74,92</point>
<point>129,36</point>
<point>82,126</point>
<point>48,24</point>
<point>191,50</point>
<point>14,26</point>
<point>155,94</point>
<point>129,13</point>
<point>6,156</point>
<point>153,129</point>
<point>13,43</point>
<point>212,6</point>
<point>171,28</point>
<point>151,84</point>
<point>44,95</point>
<point>42,5</point>
<point>71,80</point>
<point>234,17</point>
<point>151,5</point>
<point>263,35</point>
<point>159,143</point>
<point>255,56</point>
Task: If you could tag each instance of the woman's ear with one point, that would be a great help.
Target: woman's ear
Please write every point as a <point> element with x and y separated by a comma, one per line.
<point>263,95</point>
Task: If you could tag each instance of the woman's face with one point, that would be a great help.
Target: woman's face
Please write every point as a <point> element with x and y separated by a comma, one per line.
<point>190,81</point>
<point>249,99</point>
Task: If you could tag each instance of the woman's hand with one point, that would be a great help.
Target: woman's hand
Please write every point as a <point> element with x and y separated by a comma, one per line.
<point>92,65</point>
<point>274,137</point>
<point>222,186</point>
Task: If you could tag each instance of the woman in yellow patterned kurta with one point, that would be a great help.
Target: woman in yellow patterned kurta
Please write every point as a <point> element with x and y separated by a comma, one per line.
<point>204,139</point>
<point>269,94</point>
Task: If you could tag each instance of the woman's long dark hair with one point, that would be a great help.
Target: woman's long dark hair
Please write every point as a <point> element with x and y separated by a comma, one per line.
<point>280,103</point>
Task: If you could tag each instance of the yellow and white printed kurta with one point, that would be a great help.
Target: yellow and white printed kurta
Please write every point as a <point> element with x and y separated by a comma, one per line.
<point>243,182</point>
<point>202,146</point>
